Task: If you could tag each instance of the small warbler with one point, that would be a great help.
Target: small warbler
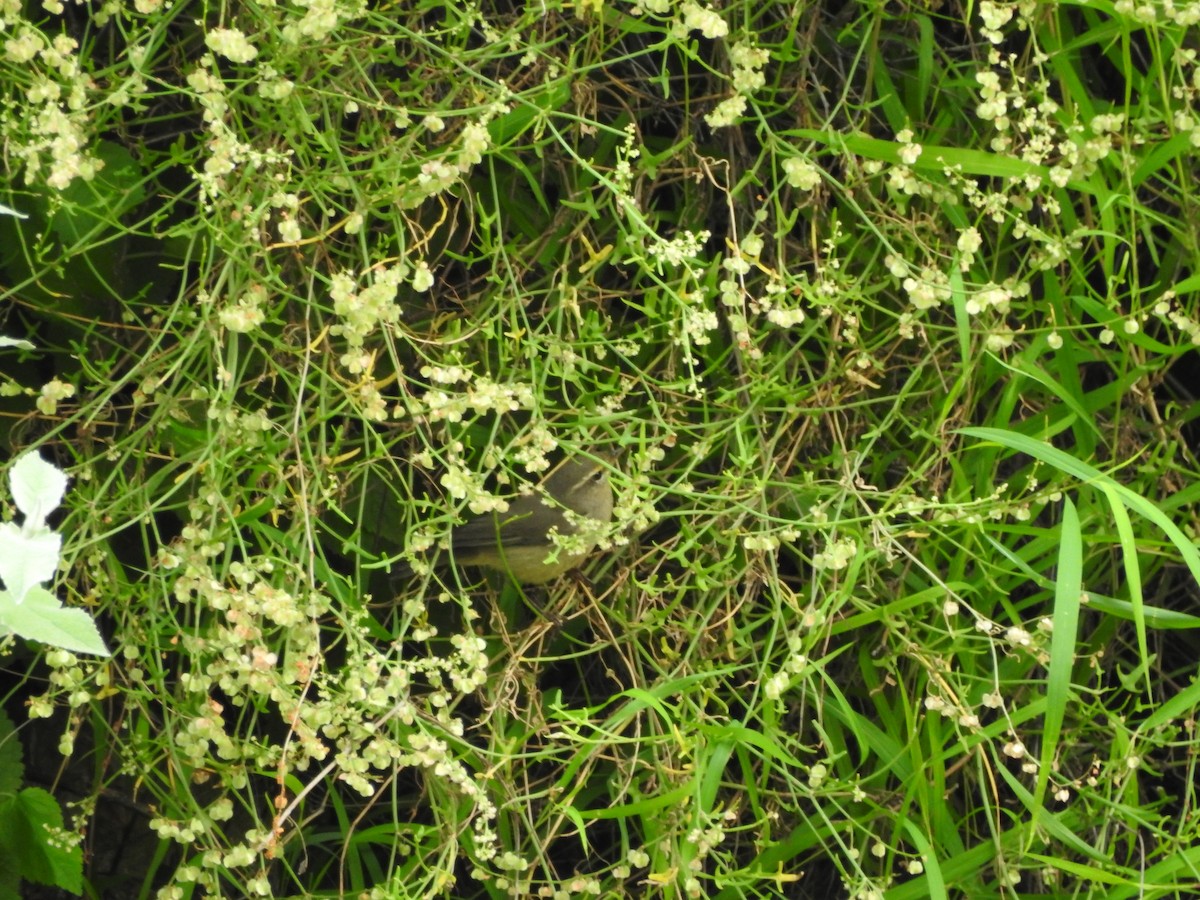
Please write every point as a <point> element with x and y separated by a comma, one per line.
<point>518,541</point>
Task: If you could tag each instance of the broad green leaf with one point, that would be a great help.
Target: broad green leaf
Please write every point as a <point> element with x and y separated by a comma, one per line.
<point>42,618</point>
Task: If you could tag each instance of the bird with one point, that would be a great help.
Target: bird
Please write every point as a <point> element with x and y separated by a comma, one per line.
<point>518,541</point>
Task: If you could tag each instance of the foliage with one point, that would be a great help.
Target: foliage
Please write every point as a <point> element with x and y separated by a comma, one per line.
<point>33,843</point>
<point>29,555</point>
<point>889,309</point>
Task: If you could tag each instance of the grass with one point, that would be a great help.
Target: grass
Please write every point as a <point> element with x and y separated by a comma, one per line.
<point>889,313</point>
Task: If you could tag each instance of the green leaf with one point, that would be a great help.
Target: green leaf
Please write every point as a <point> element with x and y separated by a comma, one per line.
<point>24,823</point>
<point>1088,474</point>
<point>92,207</point>
<point>1068,588</point>
<point>527,109</point>
<point>40,617</point>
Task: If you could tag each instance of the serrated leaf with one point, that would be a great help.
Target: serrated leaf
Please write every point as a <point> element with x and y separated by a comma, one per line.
<point>37,488</point>
<point>42,618</point>
<point>28,558</point>
<point>25,821</point>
